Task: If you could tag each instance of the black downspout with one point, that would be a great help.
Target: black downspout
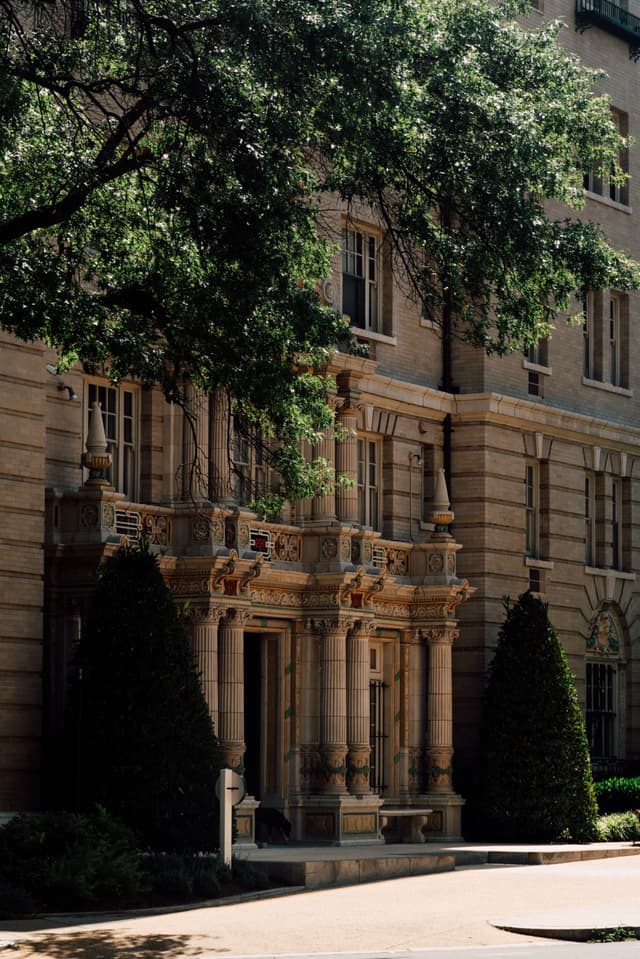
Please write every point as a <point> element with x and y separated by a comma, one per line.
<point>447,385</point>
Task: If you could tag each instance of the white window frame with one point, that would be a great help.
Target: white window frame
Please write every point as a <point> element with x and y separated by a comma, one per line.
<point>532,508</point>
<point>587,336</point>
<point>120,416</point>
<point>614,338</point>
<point>369,485</point>
<point>616,522</point>
<point>361,264</point>
<point>590,518</point>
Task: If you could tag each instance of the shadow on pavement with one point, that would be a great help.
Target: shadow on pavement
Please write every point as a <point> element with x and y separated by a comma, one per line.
<point>104,945</point>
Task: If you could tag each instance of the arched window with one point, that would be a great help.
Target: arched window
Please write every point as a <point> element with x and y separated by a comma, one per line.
<point>605,693</point>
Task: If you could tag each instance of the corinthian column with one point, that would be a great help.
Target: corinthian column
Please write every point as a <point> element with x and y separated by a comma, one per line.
<point>358,708</point>
<point>347,462</point>
<point>195,446</point>
<point>231,688</point>
<point>333,705</point>
<point>220,490</point>
<point>440,709</point>
<point>204,643</point>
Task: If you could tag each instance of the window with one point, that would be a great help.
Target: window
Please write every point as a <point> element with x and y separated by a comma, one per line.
<point>605,329</point>
<point>360,287</point>
<point>532,509</point>
<point>614,339</point>
<point>119,415</point>
<point>252,476</point>
<point>587,336</point>
<point>601,711</point>
<point>368,482</point>
<point>590,519</point>
<point>598,182</point>
<point>616,524</point>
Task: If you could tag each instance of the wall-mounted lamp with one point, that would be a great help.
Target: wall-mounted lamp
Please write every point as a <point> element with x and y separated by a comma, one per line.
<point>61,385</point>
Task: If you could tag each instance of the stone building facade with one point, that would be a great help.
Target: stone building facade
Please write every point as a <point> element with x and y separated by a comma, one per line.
<point>343,649</point>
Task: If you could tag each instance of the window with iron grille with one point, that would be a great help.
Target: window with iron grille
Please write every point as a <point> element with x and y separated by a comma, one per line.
<point>377,737</point>
<point>601,710</point>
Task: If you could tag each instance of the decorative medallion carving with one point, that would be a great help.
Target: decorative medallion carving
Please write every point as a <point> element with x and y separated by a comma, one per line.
<point>89,516</point>
<point>602,637</point>
<point>329,548</point>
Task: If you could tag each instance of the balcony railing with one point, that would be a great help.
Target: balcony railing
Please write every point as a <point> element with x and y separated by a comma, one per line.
<point>612,18</point>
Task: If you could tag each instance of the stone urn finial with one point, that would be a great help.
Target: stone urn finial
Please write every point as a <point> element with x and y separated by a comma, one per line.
<point>441,515</point>
<point>97,457</point>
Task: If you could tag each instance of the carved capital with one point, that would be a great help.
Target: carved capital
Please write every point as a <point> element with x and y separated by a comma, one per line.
<point>237,618</point>
<point>440,635</point>
<point>332,626</point>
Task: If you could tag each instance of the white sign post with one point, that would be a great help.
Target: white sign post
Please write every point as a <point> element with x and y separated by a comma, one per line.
<point>230,790</point>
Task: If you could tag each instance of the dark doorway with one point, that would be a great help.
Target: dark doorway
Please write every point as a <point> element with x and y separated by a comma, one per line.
<point>252,712</point>
<point>261,715</point>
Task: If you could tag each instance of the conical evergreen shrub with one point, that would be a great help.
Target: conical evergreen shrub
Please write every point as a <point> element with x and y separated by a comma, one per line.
<point>536,768</point>
<point>144,742</point>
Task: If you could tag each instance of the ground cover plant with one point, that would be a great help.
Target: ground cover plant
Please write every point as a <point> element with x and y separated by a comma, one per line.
<point>68,862</point>
<point>618,794</point>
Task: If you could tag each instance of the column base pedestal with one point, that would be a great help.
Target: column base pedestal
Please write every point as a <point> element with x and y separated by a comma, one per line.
<point>339,820</point>
<point>244,817</point>
<point>444,823</point>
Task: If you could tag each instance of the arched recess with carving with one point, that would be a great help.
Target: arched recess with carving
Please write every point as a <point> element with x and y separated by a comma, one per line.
<point>606,680</point>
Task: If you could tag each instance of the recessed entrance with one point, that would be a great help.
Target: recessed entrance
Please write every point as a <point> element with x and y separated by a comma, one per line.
<point>261,714</point>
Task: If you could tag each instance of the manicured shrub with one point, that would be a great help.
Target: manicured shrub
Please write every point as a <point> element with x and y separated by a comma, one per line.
<point>619,827</point>
<point>65,861</point>
<point>145,744</point>
<point>537,777</point>
<point>618,794</point>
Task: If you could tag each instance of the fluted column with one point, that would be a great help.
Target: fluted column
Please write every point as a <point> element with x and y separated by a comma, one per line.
<point>231,688</point>
<point>220,487</point>
<point>358,704</point>
<point>204,643</point>
<point>195,445</point>
<point>333,705</point>
<point>347,462</point>
<point>440,709</point>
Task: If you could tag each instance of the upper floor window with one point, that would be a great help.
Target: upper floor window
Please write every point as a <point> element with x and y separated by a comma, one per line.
<point>590,519</point>
<point>119,414</point>
<point>252,475</point>
<point>616,523</point>
<point>614,339</point>
<point>360,284</point>
<point>603,184</point>
<point>605,340</point>
<point>532,509</point>
<point>369,482</point>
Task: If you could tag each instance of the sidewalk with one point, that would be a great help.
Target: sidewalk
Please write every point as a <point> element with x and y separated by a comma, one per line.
<point>490,904</point>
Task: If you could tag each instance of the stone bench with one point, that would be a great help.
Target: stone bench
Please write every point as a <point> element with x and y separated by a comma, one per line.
<point>412,820</point>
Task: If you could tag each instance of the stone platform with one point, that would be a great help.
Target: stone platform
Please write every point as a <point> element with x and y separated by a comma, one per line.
<point>313,867</point>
